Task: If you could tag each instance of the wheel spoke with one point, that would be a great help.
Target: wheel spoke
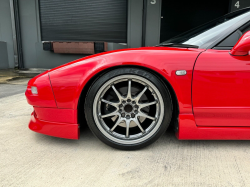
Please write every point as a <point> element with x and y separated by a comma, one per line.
<point>110,103</point>
<point>146,104</point>
<point>129,90</point>
<point>117,93</point>
<point>145,115</point>
<point>115,113</point>
<point>140,94</point>
<point>127,128</point>
<point>119,120</point>
<point>138,124</point>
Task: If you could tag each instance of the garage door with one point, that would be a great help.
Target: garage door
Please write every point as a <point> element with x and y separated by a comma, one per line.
<point>84,20</point>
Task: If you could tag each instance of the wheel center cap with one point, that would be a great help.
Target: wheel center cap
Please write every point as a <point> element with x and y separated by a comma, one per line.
<point>128,108</point>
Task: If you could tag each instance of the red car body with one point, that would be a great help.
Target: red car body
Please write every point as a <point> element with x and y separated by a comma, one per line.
<point>208,107</point>
<point>212,97</point>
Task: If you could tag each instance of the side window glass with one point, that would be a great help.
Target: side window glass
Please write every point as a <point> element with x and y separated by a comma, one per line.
<point>231,40</point>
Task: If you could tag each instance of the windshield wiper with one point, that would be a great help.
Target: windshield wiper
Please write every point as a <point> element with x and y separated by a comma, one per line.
<point>177,45</point>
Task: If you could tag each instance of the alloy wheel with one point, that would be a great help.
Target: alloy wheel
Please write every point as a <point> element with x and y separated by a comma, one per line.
<point>128,109</point>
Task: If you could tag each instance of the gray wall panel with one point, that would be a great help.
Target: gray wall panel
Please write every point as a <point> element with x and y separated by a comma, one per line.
<point>153,22</point>
<point>6,31</point>
<point>239,4</point>
<point>27,12</point>
<point>135,11</point>
<point>3,56</point>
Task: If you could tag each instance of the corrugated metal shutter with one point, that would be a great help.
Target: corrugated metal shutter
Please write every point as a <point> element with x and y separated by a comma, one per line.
<point>84,20</point>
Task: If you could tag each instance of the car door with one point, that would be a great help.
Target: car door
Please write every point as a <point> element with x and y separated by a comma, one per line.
<point>221,89</point>
<point>221,85</point>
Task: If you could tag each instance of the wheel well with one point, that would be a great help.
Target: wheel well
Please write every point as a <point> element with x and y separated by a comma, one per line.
<point>81,115</point>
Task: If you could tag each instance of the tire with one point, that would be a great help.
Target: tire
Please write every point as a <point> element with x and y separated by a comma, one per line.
<point>128,108</point>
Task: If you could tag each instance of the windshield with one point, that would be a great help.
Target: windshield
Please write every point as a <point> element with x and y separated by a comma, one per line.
<point>204,33</point>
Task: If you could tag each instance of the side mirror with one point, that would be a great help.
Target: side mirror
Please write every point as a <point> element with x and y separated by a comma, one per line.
<point>242,47</point>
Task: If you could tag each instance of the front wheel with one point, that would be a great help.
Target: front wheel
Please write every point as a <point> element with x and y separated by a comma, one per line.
<point>128,108</point>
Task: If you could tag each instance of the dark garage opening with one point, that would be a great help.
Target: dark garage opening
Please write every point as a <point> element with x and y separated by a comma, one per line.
<point>180,16</point>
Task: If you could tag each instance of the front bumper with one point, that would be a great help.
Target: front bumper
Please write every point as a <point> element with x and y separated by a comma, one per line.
<point>47,118</point>
<point>57,129</point>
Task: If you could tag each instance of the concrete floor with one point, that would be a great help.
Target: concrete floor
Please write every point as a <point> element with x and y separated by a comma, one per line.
<point>31,159</point>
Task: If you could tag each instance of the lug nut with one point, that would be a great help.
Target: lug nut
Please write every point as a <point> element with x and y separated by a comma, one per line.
<point>136,106</point>
<point>123,102</point>
<point>136,111</point>
<point>129,100</point>
<point>132,115</point>
<point>128,117</point>
<point>120,105</point>
<point>123,115</point>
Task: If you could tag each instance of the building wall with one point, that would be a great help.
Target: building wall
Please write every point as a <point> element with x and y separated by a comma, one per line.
<point>33,54</point>
<point>35,57</point>
<point>6,38</point>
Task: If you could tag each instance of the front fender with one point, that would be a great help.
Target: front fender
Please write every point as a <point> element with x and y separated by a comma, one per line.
<point>69,80</point>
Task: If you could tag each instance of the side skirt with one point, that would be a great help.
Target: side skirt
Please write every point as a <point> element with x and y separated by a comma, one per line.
<point>188,130</point>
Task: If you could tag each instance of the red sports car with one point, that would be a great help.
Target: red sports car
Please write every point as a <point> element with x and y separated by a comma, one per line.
<point>198,82</point>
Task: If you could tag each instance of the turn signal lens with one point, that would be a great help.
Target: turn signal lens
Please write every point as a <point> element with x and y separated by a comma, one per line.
<point>34,90</point>
<point>181,72</point>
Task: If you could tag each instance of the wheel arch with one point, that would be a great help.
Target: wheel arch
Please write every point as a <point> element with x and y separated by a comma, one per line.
<point>81,102</point>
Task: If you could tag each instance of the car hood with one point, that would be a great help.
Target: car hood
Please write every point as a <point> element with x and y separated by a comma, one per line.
<point>133,55</point>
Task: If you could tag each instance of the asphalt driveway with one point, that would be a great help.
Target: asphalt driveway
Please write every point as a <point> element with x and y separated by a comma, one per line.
<point>31,159</point>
